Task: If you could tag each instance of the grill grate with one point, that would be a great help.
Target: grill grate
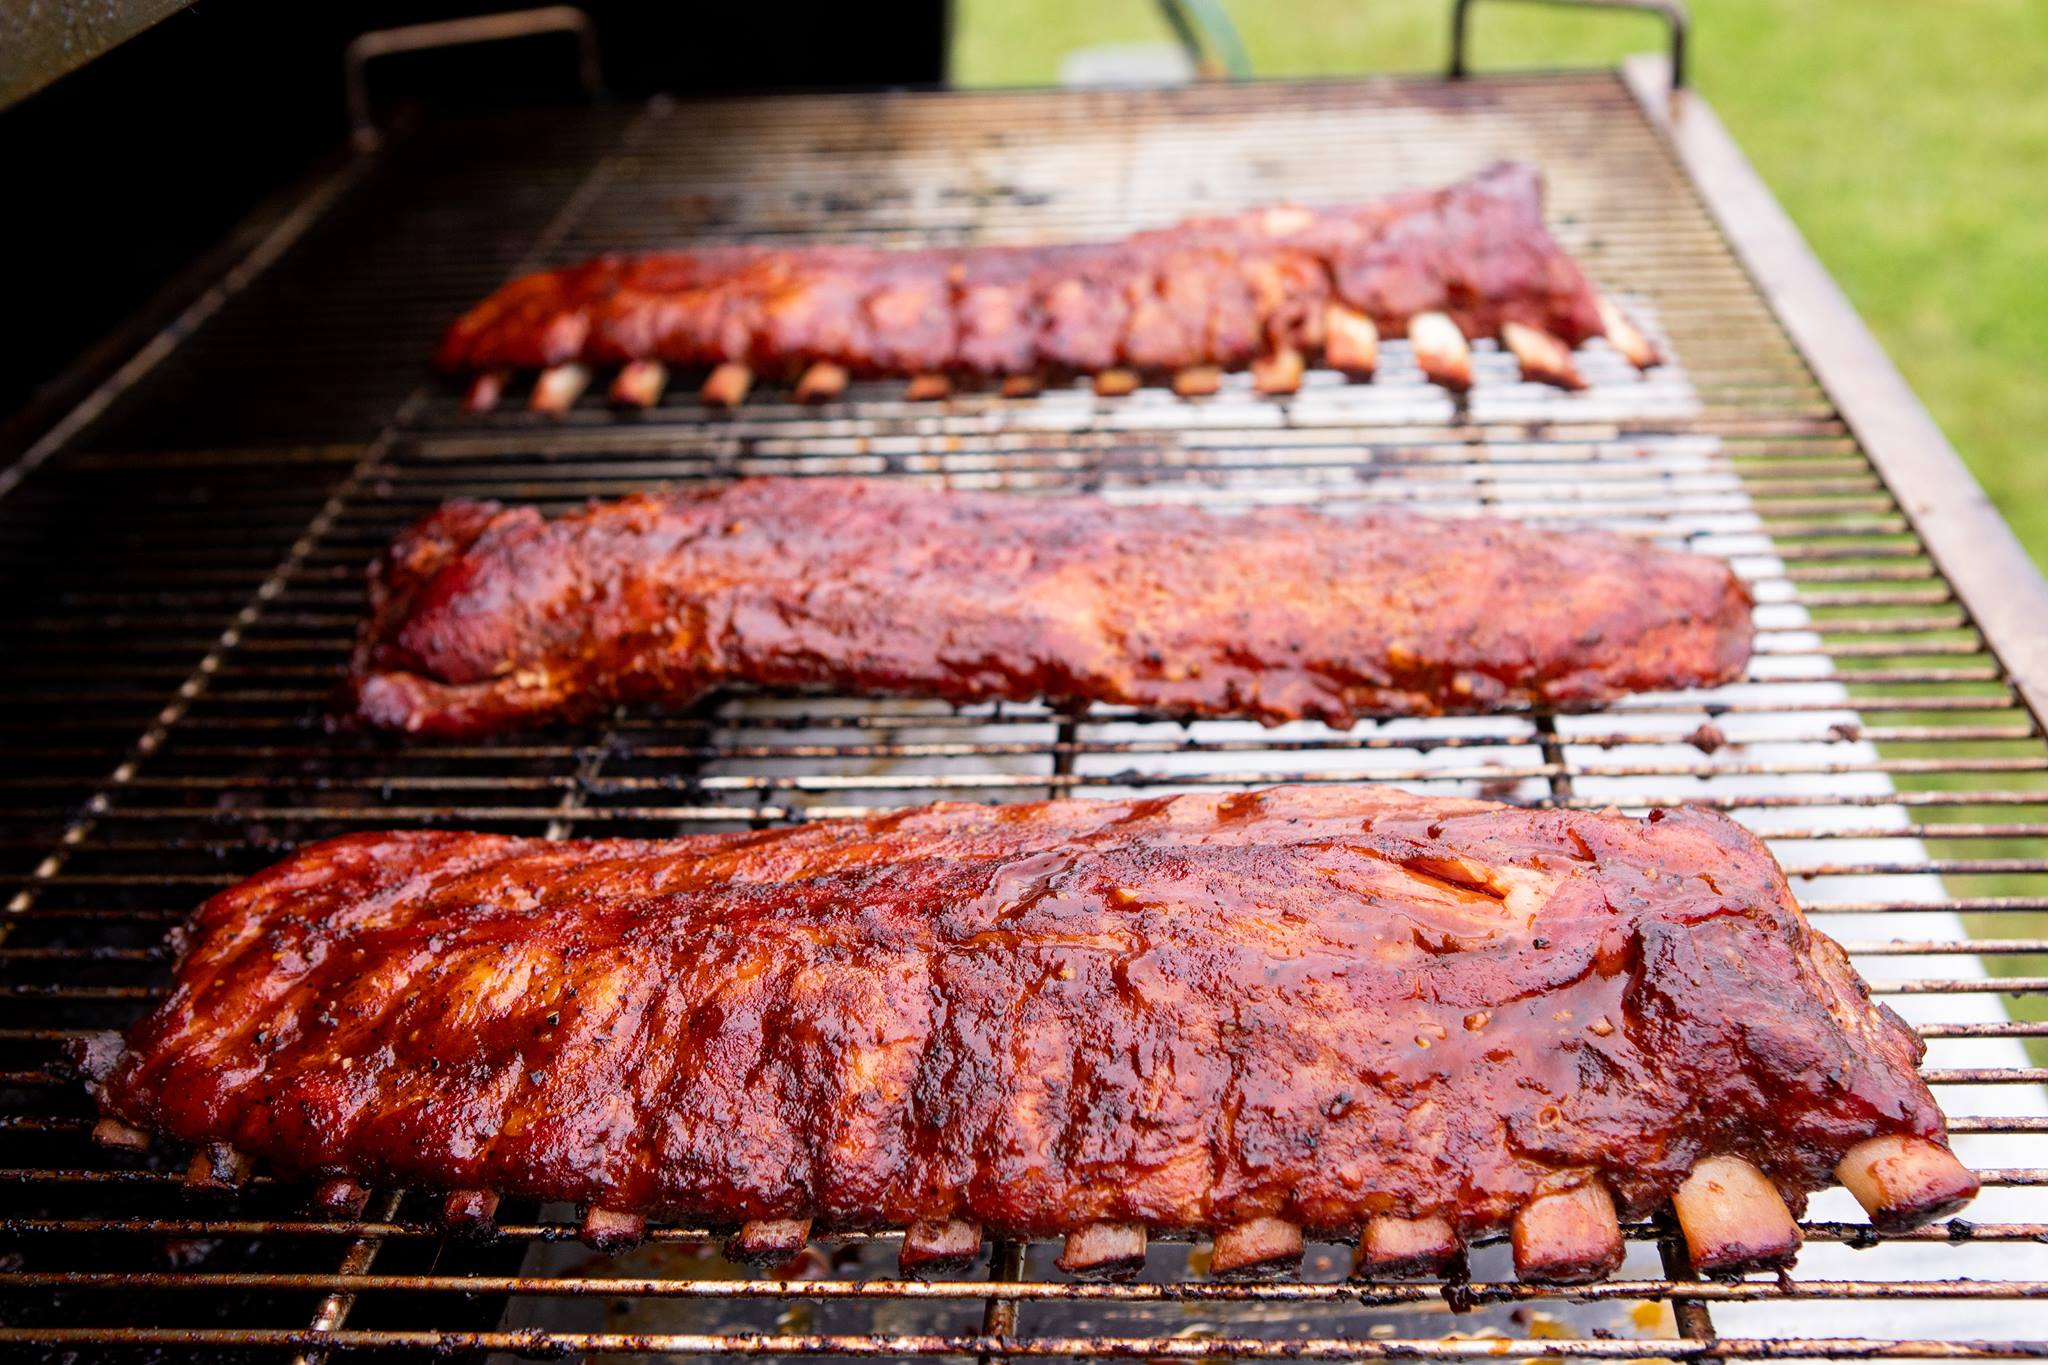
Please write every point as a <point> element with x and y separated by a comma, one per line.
<point>185,577</point>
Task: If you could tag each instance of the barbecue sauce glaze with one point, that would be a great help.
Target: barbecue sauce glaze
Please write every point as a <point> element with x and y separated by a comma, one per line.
<point>1321,1003</point>
<point>484,618</point>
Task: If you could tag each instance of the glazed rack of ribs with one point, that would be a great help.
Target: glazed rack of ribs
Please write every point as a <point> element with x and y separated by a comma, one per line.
<point>186,571</point>
<point>483,618</point>
<point>1337,1012</point>
<point>1268,290</point>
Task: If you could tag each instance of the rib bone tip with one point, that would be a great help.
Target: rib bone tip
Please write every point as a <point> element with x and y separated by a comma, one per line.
<point>1441,350</point>
<point>340,1197</point>
<point>558,388</point>
<point>1407,1249</point>
<point>612,1232</point>
<point>934,1244</point>
<point>118,1136</point>
<point>1023,386</point>
<point>1116,382</point>
<point>485,389</point>
<point>768,1241</point>
<point>1570,1237</point>
<point>1543,357</point>
<point>927,388</point>
<point>1197,381</point>
<point>640,384</point>
<point>1351,341</point>
<point>1255,1249</point>
<point>1625,336</point>
<point>726,386</point>
<point>1104,1251</point>
<point>1734,1219</point>
<point>822,382</point>
<point>216,1168</point>
<point>1903,1181</point>
<point>1279,371</point>
<point>469,1213</point>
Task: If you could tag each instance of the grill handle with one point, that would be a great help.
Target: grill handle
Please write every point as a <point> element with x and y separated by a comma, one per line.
<point>1673,11</point>
<point>481,28</point>
<point>1201,24</point>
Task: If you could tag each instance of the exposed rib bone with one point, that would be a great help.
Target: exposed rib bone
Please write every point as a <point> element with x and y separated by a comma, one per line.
<point>640,383</point>
<point>822,382</point>
<point>1116,383</point>
<point>558,388</point>
<point>340,1198</point>
<point>469,1213</point>
<point>1282,219</point>
<point>1023,385</point>
<point>726,386</point>
<point>1625,335</point>
<point>1543,357</point>
<point>1104,1251</point>
<point>768,1241</point>
<point>216,1168</point>
<point>939,1244</point>
<point>1256,1248</point>
<point>1407,1249</point>
<point>612,1232</point>
<point>118,1136</point>
<point>1198,381</point>
<point>484,391</point>
<point>1279,372</point>
<point>1734,1219</point>
<point>1351,341</point>
<point>1902,1182</point>
<point>927,388</point>
<point>1441,350</point>
<point>1568,1238</point>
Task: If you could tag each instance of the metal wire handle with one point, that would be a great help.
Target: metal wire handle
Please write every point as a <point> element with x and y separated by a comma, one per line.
<point>1202,24</point>
<point>481,28</point>
<point>1673,11</point>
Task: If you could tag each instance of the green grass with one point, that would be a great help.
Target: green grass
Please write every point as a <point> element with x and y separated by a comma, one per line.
<point>1909,142</point>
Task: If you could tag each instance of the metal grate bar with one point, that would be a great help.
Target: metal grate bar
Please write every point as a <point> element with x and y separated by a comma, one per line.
<point>1230,1348</point>
<point>1005,1291</point>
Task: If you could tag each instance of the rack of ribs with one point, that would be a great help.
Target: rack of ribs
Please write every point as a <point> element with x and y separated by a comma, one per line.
<point>483,618</point>
<point>1267,290</point>
<point>1333,1012</point>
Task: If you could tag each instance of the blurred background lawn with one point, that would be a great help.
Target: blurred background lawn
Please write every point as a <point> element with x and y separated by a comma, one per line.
<point>1908,139</point>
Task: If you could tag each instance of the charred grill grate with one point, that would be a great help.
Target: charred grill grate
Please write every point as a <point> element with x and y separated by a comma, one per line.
<point>185,578</point>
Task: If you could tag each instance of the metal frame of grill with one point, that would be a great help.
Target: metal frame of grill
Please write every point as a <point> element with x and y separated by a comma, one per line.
<point>184,553</point>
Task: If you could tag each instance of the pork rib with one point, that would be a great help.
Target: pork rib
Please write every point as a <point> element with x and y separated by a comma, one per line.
<point>1334,1009</point>
<point>1260,290</point>
<point>483,618</point>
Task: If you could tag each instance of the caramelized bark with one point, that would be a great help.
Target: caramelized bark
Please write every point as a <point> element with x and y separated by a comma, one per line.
<point>1310,1004</point>
<point>484,618</point>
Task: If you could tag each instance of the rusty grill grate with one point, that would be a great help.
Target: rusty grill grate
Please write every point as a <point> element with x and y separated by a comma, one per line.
<point>184,564</point>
